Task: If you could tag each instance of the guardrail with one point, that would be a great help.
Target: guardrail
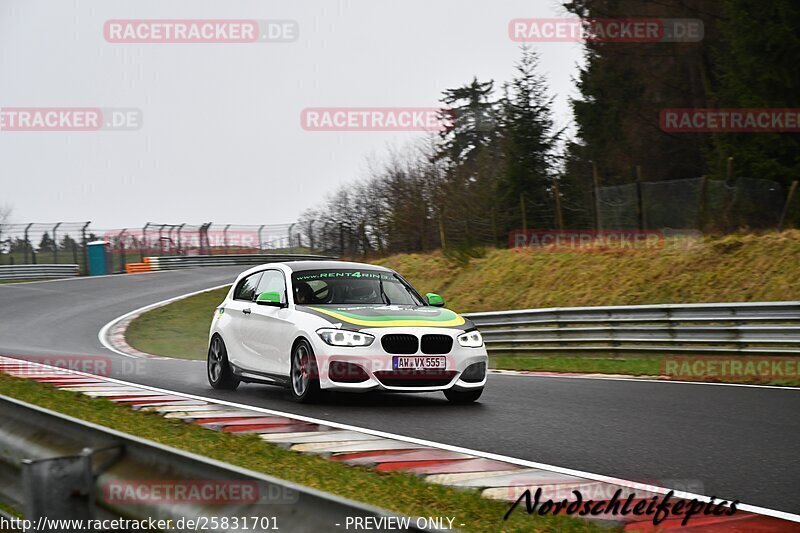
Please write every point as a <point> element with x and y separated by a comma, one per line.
<point>38,271</point>
<point>764,328</point>
<point>192,261</point>
<point>60,467</point>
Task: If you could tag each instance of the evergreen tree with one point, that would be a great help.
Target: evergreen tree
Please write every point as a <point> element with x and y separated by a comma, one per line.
<point>472,161</point>
<point>529,141</point>
<point>46,244</point>
<point>756,62</point>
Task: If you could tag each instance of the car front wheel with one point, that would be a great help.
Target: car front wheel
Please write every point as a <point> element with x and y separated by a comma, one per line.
<point>220,375</point>
<point>304,375</point>
<point>463,396</point>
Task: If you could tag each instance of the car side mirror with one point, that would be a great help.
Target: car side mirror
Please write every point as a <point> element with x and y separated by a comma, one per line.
<point>272,298</point>
<point>434,299</point>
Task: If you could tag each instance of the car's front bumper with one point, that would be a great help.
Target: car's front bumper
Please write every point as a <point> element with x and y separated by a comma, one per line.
<point>335,370</point>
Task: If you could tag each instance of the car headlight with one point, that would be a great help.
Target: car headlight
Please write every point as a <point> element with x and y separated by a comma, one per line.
<point>471,339</point>
<point>342,337</point>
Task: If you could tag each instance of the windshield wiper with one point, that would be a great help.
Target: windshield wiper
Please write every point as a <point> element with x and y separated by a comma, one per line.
<point>383,293</point>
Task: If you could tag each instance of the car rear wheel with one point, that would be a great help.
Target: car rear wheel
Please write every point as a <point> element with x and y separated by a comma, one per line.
<point>463,396</point>
<point>304,374</point>
<point>220,375</point>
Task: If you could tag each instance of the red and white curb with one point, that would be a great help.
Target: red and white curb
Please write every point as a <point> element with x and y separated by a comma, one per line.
<point>115,336</point>
<point>494,476</point>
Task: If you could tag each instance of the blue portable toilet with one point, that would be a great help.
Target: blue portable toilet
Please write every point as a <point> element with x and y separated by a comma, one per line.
<point>99,258</point>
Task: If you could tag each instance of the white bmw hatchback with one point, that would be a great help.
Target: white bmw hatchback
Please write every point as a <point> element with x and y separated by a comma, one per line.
<point>313,325</point>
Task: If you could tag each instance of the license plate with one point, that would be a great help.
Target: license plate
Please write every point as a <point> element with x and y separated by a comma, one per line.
<point>419,363</point>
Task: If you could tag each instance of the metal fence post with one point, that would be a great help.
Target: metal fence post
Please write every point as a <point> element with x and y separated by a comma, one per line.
<point>701,203</point>
<point>174,242</point>
<point>122,258</point>
<point>85,249</point>
<point>787,205</point>
<point>598,225</point>
<point>311,235</point>
<point>225,237</point>
<point>143,242</point>
<point>204,244</point>
<point>27,245</point>
<point>55,243</point>
<point>640,215</point>
<point>161,240</point>
<point>180,246</point>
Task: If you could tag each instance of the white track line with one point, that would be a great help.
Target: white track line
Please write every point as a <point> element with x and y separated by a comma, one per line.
<point>486,455</point>
<point>102,335</point>
<point>640,380</point>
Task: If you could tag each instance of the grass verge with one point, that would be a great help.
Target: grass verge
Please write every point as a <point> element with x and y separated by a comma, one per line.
<point>402,493</point>
<point>630,366</point>
<point>10,510</point>
<point>179,329</point>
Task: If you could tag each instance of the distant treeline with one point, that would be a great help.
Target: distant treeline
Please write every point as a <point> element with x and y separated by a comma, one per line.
<point>504,164</point>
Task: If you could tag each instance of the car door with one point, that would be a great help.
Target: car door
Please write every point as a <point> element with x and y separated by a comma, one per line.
<point>268,332</point>
<point>239,310</point>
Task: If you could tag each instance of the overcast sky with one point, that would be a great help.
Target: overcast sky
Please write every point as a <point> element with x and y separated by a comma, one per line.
<point>221,138</point>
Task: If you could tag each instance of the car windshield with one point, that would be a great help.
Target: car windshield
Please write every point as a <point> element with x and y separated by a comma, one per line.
<point>349,286</point>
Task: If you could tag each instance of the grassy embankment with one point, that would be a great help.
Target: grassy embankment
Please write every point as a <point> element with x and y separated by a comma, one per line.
<point>736,268</point>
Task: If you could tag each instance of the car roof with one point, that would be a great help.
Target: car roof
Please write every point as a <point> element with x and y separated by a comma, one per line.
<point>297,266</point>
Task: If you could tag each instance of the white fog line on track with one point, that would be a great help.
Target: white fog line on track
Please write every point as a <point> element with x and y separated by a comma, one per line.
<point>486,455</point>
<point>642,380</point>
<point>102,335</point>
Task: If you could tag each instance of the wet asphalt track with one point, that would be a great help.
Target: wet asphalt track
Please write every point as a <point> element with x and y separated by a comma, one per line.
<point>736,442</point>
